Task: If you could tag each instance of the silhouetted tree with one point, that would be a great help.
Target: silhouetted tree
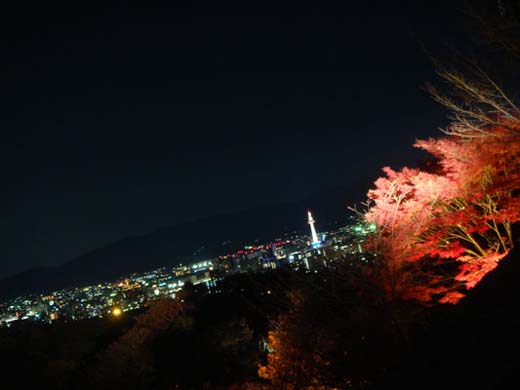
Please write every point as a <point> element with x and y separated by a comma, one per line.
<point>127,363</point>
<point>472,88</point>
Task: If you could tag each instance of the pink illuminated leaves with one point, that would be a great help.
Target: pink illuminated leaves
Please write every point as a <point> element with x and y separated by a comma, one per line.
<point>461,209</point>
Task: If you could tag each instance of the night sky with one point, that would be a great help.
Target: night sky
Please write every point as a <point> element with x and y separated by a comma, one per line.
<point>118,119</point>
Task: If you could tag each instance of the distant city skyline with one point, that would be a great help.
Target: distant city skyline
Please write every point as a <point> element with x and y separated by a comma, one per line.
<point>135,291</point>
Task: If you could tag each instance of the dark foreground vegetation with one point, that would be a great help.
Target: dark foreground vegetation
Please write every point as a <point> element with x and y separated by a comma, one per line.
<point>472,344</point>
<point>281,330</point>
<point>210,340</point>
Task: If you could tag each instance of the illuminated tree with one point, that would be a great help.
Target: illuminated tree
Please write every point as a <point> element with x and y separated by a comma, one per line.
<point>479,217</point>
<point>476,101</point>
<point>401,205</point>
<point>461,209</point>
<point>294,361</point>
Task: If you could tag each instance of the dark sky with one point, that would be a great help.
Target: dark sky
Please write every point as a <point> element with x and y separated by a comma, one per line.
<point>117,119</point>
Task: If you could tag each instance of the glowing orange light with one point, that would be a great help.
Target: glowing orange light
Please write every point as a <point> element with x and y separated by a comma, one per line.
<point>117,312</point>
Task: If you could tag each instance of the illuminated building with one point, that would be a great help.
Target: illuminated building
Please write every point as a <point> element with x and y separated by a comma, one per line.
<point>135,291</point>
<point>315,240</point>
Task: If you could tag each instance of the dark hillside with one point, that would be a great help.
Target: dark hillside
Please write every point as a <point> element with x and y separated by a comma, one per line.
<point>474,344</point>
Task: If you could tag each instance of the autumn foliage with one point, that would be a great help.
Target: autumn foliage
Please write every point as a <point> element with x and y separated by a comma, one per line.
<point>443,227</point>
<point>296,358</point>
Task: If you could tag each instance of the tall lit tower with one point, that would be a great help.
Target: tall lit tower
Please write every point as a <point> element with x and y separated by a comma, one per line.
<point>313,230</point>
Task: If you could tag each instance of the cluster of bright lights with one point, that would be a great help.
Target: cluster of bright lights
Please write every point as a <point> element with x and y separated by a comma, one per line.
<point>365,229</point>
<point>110,299</point>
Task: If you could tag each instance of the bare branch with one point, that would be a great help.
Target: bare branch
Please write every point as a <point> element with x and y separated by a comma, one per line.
<point>477,103</point>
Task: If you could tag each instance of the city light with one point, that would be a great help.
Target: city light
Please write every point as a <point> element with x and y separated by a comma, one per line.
<point>135,291</point>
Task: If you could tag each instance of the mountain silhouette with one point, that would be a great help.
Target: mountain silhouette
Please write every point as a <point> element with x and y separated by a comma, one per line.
<point>184,243</point>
